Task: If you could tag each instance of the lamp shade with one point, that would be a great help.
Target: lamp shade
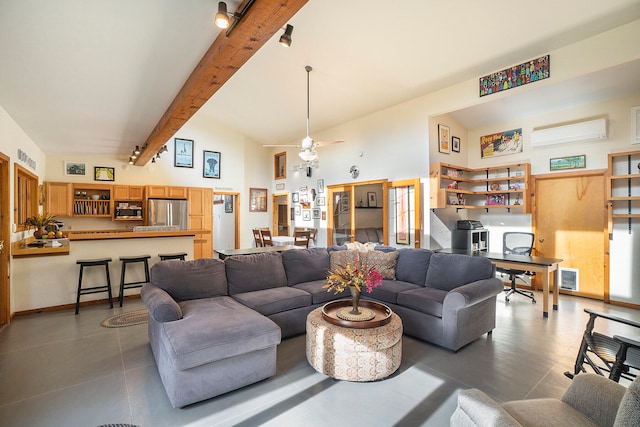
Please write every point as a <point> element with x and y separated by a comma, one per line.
<point>222,18</point>
<point>285,38</point>
<point>308,155</point>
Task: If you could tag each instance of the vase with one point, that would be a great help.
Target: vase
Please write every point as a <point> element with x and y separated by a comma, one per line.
<point>355,300</point>
<point>40,231</point>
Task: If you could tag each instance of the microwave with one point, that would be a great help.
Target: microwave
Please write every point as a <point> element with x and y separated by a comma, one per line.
<point>129,212</point>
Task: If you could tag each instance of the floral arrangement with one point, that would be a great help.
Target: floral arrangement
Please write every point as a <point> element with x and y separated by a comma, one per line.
<point>358,275</point>
<point>39,220</point>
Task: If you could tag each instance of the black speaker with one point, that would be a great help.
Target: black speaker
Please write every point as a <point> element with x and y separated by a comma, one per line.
<point>309,171</point>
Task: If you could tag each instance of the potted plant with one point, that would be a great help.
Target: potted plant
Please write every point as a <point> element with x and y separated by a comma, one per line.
<point>39,222</point>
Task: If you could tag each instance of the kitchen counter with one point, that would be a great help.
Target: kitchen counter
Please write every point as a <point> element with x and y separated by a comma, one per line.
<point>118,234</point>
<point>21,249</point>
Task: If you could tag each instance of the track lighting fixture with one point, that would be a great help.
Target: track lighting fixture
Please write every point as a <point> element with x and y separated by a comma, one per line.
<point>222,16</point>
<point>134,155</point>
<point>136,151</point>
<point>285,38</point>
<point>131,160</point>
<point>164,149</point>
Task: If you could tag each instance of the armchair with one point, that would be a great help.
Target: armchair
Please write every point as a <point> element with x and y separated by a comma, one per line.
<point>590,400</point>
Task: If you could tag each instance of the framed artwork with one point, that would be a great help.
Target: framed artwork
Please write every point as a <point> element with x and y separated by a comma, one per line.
<point>211,164</point>
<point>183,153</point>
<point>455,144</point>
<point>228,203</point>
<point>444,136</point>
<point>495,199</point>
<point>101,173</point>
<point>293,214</point>
<point>372,199</point>
<point>316,213</point>
<point>74,168</point>
<point>280,186</point>
<point>518,75</point>
<point>257,200</point>
<point>321,186</point>
<point>402,215</point>
<point>501,143</point>
<point>324,215</point>
<point>306,215</point>
<point>569,162</point>
<point>298,210</point>
<point>295,197</point>
<point>320,201</point>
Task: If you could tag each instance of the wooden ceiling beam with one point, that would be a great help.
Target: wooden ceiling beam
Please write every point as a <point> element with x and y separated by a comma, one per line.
<point>225,56</point>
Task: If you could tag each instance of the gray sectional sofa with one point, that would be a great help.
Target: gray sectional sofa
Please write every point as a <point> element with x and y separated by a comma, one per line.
<point>214,326</point>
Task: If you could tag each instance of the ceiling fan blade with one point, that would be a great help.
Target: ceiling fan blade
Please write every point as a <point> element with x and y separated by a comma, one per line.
<point>323,143</point>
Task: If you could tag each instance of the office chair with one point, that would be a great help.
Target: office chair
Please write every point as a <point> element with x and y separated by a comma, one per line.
<point>517,243</point>
<point>618,355</point>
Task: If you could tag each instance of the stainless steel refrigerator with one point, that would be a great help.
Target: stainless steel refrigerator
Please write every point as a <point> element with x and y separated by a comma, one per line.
<point>168,212</point>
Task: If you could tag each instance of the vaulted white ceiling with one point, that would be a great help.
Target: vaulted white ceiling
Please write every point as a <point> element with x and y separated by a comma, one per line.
<point>95,76</point>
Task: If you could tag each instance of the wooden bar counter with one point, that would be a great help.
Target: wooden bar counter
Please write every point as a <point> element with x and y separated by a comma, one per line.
<point>44,278</point>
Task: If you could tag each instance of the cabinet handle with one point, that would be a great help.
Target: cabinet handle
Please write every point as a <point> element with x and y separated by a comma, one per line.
<point>541,239</point>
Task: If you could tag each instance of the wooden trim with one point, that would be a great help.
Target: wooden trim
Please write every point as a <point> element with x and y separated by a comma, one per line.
<point>225,56</point>
<point>72,305</point>
<point>570,174</point>
<point>32,199</point>
<point>5,234</point>
<point>236,216</point>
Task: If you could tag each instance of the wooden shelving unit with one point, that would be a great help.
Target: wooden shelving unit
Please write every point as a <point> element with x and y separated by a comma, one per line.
<point>623,186</point>
<point>496,187</point>
<point>85,205</point>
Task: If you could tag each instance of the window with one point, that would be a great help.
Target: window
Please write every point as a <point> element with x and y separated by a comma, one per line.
<point>280,165</point>
<point>25,195</point>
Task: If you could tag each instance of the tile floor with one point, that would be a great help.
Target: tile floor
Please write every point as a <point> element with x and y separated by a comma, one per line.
<point>58,369</point>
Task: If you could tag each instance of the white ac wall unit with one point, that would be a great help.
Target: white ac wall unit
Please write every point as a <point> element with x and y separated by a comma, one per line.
<point>576,132</point>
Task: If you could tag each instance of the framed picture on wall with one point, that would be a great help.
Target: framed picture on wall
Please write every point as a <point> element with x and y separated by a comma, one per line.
<point>372,199</point>
<point>455,144</point>
<point>444,136</point>
<point>101,173</point>
<point>228,203</point>
<point>257,200</point>
<point>183,153</point>
<point>211,164</point>
<point>316,213</point>
<point>74,168</point>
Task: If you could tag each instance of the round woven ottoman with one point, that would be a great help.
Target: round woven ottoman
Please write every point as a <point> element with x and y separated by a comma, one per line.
<point>353,354</point>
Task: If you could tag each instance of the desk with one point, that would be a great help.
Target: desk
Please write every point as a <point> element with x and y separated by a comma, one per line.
<point>223,253</point>
<point>545,266</point>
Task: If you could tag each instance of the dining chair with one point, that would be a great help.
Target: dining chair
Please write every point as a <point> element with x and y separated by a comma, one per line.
<point>301,238</point>
<point>266,237</point>
<point>313,232</point>
<point>257,236</point>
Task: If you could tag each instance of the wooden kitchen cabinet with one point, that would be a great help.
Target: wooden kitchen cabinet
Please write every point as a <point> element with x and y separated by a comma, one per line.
<point>166,192</point>
<point>58,198</point>
<point>201,218</point>
<point>128,192</point>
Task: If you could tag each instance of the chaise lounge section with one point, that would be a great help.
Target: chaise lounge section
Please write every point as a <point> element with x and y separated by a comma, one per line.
<point>214,326</point>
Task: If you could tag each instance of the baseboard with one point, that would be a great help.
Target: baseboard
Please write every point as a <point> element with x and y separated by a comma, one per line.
<point>71,306</point>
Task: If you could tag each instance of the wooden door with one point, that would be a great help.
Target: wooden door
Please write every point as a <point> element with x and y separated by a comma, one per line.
<point>570,222</point>
<point>340,215</point>
<point>200,218</point>
<point>5,238</point>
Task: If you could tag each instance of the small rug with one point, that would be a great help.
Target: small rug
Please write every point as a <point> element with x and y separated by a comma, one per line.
<point>130,318</point>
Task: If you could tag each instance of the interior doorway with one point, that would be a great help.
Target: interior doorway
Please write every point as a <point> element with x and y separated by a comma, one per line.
<point>226,220</point>
<point>570,223</point>
<point>5,241</point>
<point>280,220</point>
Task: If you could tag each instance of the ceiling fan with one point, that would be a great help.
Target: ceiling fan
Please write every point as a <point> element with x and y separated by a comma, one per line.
<point>308,146</point>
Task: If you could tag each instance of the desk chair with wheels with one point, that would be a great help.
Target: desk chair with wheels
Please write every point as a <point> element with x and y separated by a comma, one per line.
<point>517,243</point>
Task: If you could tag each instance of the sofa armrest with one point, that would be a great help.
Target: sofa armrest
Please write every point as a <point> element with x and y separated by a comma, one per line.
<point>595,396</point>
<point>475,408</point>
<point>472,293</point>
<point>159,303</point>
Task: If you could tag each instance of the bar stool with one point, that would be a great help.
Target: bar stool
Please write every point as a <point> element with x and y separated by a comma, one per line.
<point>95,289</point>
<point>129,285</point>
<point>178,255</point>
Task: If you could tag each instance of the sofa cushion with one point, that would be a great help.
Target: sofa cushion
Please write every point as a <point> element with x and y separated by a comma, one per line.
<point>389,290</point>
<point>383,262</point>
<point>448,271</point>
<point>320,295</point>
<point>214,329</point>
<point>424,300</point>
<point>362,236</point>
<point>412,265</point>
<point>305,265</point>
<point>185,280</point>
<point>274,300</point>
<point>629,409</point>
<point>248,273</point>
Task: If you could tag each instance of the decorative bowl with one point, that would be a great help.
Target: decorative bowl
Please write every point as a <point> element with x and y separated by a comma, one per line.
<point>95,197</point>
